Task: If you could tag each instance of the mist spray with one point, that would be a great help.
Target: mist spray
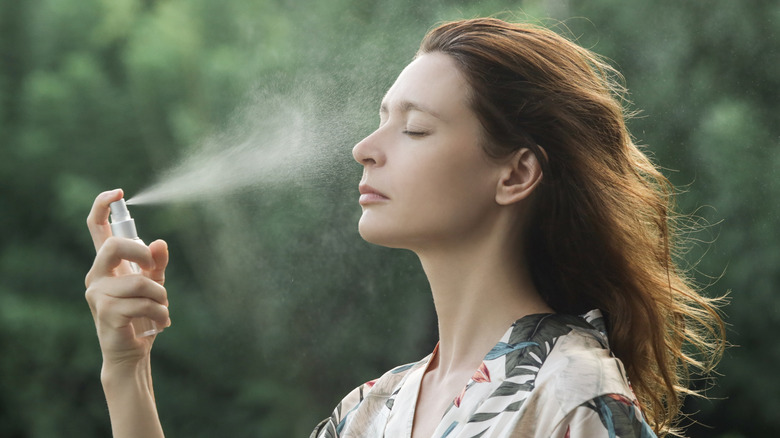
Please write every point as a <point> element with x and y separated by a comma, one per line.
<point>122,225</point>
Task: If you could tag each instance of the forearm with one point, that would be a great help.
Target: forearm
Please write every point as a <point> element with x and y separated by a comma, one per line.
<point>131,403</point>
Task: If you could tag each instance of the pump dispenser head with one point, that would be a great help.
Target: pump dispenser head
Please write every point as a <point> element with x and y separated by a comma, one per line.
<point>122,225</point>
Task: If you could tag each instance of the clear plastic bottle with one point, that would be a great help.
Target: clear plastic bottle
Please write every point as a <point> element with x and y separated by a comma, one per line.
<point>122,225</point>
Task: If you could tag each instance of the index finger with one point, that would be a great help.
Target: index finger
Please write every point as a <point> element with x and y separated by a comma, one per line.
<point>97,221</point>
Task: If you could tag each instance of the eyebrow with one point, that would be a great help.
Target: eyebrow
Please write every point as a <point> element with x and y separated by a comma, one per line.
<point>407,105</point>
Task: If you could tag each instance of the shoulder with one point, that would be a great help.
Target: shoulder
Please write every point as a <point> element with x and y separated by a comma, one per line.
<point>608,415</point>
<point>582,385</point>
<point>580,367</point>
<point>366,404</point>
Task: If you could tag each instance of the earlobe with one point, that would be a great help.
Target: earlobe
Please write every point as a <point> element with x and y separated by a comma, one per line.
<point>520,176</point>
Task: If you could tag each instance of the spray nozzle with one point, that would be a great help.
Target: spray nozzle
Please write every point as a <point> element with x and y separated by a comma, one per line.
<point>119,211</point>
<point>122,225</point>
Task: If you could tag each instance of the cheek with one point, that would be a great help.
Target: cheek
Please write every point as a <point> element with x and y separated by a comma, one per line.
<point>454,191</point>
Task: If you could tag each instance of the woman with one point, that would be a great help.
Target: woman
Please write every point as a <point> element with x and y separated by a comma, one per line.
<point>503,161</point>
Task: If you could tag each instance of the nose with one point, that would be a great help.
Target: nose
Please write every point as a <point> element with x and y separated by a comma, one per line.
<point>368,152</point>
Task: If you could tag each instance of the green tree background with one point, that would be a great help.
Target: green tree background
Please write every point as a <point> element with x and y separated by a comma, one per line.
<point>278,307</point>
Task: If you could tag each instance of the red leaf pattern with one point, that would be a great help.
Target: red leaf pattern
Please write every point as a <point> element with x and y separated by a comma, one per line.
<point>482,374</point>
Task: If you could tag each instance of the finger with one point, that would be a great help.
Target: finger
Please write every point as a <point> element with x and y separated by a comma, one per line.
<point>126,287</point>
<point>116,313</point>
<point>159,250</point>
<point>97,220</point>
<point>111,254</point>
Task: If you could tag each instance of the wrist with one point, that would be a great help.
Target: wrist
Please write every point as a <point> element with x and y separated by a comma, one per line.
<point>127,375</point>
<point>130,397</point>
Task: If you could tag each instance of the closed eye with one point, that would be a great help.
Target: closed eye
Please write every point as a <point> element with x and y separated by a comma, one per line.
<point>415,133</point>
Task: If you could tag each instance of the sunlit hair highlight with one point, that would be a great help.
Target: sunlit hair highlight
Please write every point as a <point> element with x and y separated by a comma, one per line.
<point>603,232</point>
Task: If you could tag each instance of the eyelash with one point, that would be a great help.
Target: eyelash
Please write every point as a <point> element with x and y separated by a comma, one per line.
<point>415,133</point>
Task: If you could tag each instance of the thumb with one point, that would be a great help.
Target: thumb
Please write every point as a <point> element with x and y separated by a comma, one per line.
<point>159,249</point>
<point>97,221</point>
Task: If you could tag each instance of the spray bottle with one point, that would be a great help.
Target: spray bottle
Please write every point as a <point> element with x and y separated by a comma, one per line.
<point>122,225</point>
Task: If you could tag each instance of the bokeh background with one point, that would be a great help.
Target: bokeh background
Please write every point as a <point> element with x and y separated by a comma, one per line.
<point>278,307</point>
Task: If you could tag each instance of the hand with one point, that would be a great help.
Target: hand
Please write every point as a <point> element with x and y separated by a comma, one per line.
<point>116,296</point>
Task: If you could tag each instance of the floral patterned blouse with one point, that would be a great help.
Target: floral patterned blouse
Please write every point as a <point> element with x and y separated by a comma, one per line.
<point>551,375</point>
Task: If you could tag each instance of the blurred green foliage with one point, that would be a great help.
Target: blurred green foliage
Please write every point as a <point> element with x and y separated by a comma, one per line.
<point>278,307</point>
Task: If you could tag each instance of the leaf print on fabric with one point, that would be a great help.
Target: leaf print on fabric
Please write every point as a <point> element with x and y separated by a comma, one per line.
<point>596,319</point>
<point>402,368</point>
<point>509,388</point>
<point>530,342</point>
<point>449,429</point>
<point>620,417</point>
<point>324,430</point>
<point>484,416</point>
<point>482,374</point>
<point>621,398</point>
<point>479,435</point>
<point>480,417</point>
<point>502,349</point>
<point>459,398</point>
<point>343,421</point>
<point>542,331</point>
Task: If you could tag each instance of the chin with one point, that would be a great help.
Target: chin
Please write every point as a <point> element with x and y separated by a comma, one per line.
<point>382,236</point>
<point>371,235</point>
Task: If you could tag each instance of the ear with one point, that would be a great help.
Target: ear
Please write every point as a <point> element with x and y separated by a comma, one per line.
<point>519,177</point>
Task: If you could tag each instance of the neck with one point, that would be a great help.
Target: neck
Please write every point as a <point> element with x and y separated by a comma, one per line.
<point>479,290</point>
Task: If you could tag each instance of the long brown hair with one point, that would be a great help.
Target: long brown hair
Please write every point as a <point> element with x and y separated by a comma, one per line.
<point>603,229</point>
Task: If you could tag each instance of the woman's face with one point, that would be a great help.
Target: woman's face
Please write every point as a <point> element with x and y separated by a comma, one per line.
<point>426,180</point>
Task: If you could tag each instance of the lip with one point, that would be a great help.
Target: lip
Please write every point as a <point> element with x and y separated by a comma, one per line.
<point>369,195</point>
